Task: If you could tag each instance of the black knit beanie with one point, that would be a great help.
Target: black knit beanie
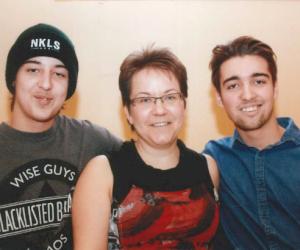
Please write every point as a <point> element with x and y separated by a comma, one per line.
<point>42,40</point>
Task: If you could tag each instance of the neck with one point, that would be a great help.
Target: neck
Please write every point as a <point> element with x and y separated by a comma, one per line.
<point>269,134</point>
<point>30,126</point>
<point>161,158</point>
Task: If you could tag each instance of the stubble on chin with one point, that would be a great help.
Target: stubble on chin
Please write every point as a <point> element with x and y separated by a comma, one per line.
<point>253,125</point>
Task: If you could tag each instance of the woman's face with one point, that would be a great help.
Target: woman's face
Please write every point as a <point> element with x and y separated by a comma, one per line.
<point>157,121</point>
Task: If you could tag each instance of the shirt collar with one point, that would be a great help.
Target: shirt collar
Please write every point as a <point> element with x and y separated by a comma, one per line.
<point>292,132</point>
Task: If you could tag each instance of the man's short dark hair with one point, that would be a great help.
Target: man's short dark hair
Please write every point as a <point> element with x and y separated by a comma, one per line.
<point>241,46</point>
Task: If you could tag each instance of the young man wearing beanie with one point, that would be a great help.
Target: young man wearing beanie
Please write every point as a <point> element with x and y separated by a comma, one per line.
<point>260,164</point>
<point>41,152</point>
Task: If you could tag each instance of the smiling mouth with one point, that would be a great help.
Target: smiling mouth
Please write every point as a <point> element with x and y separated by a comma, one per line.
<point>251,108</point>
<point>160,124</point>
<point>43,100</point>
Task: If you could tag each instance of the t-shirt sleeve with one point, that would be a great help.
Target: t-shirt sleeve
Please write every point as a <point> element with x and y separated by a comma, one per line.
<point>102,139</point>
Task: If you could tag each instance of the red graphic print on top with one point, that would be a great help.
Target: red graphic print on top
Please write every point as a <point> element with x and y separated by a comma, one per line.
<point>185,219</point>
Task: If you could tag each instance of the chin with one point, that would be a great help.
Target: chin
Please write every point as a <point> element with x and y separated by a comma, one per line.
<point>44,118</point>
<point>164,141</point>
<point>249,126</point>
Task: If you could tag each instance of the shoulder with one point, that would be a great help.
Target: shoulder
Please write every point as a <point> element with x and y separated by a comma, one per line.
<point>198,163</point>
<point>3,128</point>
<point>73,123</point>
<point>122,156</point>
<point>204,168</point>
<point>190,154</point>
<point>291,128</point>
<point>225,141</point>
<point>2,125</point>
<point>214,147</point>
<point>121,163</point>
<point>96,175</point>
<point>90,131</point>
<point>96,165</point>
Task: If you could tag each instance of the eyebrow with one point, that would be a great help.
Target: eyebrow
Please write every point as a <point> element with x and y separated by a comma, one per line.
<point>164,93</point>
<point>230,79</point>
<point>171,90</point>
<point>32,61</point>
<point>261,74</point>
<point>253,75</point>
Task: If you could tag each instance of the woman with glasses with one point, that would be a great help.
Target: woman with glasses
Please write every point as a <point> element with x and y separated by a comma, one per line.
<point>154,193</point>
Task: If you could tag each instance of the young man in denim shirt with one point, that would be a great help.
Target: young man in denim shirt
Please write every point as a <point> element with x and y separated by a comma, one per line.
<point>260,164</point>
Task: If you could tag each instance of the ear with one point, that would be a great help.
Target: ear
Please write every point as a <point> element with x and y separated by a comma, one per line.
<point>219,99</point>
<point>13,84</point>
<point>128,116</point>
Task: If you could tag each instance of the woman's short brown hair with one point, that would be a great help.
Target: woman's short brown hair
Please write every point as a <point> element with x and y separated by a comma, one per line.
<point>156,58</point>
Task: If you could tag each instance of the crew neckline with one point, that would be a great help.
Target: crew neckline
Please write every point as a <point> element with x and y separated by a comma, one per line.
<point>147,177</point>
<point>13,133</point>
<point>140,162</point>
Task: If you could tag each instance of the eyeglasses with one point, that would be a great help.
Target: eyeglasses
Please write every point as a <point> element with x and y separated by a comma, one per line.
<point>150,101</point>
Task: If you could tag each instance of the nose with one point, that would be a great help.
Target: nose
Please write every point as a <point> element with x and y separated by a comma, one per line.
<point>45,81</point>
<point>159,107</point>
<point>247,92</point>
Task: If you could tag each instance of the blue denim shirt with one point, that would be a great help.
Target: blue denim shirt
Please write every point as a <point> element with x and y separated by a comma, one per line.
<point>260,190</point>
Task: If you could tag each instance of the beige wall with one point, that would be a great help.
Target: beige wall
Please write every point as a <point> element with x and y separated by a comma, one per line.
<point>104,32</point>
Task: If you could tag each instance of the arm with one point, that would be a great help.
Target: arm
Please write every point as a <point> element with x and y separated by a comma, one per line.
<point>213,170</point>
<point>91,205</point>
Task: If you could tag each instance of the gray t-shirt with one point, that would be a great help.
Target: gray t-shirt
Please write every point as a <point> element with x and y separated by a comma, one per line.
<point>37,173</point>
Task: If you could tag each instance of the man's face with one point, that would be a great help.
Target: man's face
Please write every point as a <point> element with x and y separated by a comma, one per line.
<point>247,92</point>
<point>41,86</point>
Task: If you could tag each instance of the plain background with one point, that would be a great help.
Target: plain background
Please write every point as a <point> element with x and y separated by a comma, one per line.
<point>105,32</point>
